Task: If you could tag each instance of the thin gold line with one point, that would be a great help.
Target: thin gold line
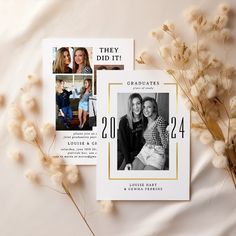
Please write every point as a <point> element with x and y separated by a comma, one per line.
<point>109,95</point>
<point>177,161</point>
<point>109,176</point>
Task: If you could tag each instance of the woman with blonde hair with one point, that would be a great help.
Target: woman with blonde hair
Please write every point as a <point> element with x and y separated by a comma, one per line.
<point>83,106</point>
<point>63,59</point>
<point>130,140</point>
<point>81,64</point>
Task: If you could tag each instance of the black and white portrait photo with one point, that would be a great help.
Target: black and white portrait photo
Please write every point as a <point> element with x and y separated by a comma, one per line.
<point>143,137</point>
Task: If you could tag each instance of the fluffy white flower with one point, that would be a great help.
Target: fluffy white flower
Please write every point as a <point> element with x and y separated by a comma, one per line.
<point>106,206</point>
<point>71,169</point>
<point>143,57</point>
<point>2,100</point>
<point>33,79</point>
<point>165,51</point>
<point>15,155</point>
<point>72,177</point>
<point>211,91</point>
<point>225,34</point>
<point>206,137</point>
<point>192,13</point>
<point>28,102</point>
<point>157,34</point>
<point>29,131</point>
<point>168,26</point>
<point>57,178</point>
<point>15,112</point>
<point>56,164</point>
<point>32,176</point>
<point>14,128</point>
<point>72,174</point>
<point>224,8</point>
<point>220,161</point>
<point>201,83</point>
<point>219,146</point>
<point>221,21</point>
<point>48,130</point>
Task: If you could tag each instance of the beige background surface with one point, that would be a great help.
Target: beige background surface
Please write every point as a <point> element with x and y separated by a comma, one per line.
<point>27,210</point>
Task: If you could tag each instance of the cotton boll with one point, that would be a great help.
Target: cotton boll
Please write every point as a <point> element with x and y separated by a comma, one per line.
<point>219,146</point>
<point>15,112</point>
<point>211,91</point>
<point>14,128</point>
<point>220,161</point>
<point>206,137</point>
<point>57,178</point>
<point>106,206</point>
<point>28,102</point>
<point>32,176</point>
<point>48,130</point>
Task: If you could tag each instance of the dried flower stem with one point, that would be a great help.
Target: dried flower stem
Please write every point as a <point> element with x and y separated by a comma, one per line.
<point>73,201</point>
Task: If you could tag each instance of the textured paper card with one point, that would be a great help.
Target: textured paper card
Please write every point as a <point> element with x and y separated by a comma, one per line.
<point>70,93</point>
<point>143,137</point>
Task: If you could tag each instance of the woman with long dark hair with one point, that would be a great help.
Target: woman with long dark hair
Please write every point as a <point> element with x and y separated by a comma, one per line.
<point>152,156</point>
<point>130,139</point>
<point>81,64</point>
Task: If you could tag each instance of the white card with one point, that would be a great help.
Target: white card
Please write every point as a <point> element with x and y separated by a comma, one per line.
<point>143,137</point>
<point>69,92</point>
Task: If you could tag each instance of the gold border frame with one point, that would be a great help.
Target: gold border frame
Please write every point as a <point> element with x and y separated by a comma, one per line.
<point>176,145</point>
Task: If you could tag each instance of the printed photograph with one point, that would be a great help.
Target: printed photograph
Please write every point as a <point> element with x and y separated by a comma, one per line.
<point>104,67</point>
<point>143,137</point>
<point>72,60</point>
<point>72,102</point>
